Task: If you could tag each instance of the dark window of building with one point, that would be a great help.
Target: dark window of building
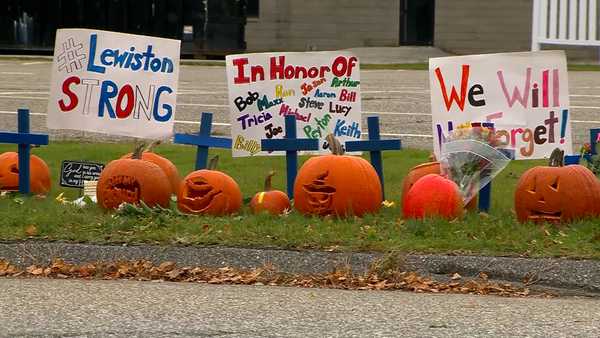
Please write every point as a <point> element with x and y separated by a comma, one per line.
<point>416,22</point>
<point>252,9</point>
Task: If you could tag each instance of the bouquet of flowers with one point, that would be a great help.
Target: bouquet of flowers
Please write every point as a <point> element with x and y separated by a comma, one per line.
<point>592,161</point>
<point>470,158</point>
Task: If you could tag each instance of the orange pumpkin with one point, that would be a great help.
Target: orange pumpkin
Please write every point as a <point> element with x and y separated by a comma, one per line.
<point>39,173</point>
<point>337,185</point>
<point>167,166</point>
<point>556,193</point>
<point>131,180</point>
<point>209,192</point>
<point>433,196</point>
<point>425,169</point>
<point>273,201</point>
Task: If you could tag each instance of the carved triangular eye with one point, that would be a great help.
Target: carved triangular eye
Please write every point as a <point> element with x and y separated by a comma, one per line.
<point>532,188</point>
<point>14,169</point>
<point>554,185</point>
<point>322,176</point>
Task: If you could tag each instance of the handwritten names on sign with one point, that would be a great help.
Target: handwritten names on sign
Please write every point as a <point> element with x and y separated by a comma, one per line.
<point>320,89</point>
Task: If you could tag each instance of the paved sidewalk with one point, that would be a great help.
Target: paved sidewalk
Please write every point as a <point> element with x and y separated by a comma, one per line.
<point>76,308</point>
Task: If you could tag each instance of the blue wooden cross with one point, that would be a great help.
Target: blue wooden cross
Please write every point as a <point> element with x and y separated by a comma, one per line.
<point>291,145</point>
<point>24,139</point>
<point>485,193</point>
<point>203,140</point>
<point>374,145</point>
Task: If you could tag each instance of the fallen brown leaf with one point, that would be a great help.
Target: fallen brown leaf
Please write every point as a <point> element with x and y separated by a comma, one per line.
<point>31,230</point>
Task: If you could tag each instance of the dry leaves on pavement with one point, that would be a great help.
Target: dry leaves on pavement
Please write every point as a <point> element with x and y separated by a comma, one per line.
<point>266,275</point>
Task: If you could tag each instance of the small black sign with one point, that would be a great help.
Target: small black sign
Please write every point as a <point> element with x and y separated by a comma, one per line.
<point>73,173</point>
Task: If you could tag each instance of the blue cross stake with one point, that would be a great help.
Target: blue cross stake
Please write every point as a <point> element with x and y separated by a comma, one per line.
<point>291,144</point>
<point>374,145</point>
<point>24,139</point>
<point>203,140</point>
<point>485,193</point>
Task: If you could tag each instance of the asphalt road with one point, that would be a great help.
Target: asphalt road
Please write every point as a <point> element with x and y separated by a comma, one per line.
<point>75,308</point>
<point>400,98</point>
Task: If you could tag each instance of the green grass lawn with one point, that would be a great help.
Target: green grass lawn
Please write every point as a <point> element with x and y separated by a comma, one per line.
<point>496,234</point>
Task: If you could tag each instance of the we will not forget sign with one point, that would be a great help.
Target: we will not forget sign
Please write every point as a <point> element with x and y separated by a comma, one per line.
<point>525,96</point>
<point>114,83</point>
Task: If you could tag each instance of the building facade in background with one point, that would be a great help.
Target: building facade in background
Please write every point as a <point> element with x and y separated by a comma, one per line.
<point>455,26</point>
<point>219,27</point>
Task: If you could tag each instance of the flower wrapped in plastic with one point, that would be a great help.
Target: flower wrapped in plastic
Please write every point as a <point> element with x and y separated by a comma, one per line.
<point>470,157</point>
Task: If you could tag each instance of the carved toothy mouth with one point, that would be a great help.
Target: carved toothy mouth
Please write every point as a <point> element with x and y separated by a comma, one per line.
<point>541,216</point>
<point>320,195</point>
<point>199,195</point>
<point>14,170</point>
<point>7,187</point>
<point>124,189</point>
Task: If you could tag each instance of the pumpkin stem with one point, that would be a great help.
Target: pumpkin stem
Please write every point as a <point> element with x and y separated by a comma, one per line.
<point>212,165</point>
<point>334,145</point>
<point>153,144</point>
<point>268,181</point>
<point>557,158</point>
<point>137,152</point>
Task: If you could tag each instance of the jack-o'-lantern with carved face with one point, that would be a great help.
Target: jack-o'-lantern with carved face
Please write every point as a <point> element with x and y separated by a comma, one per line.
<point>337,185</point>
<point>167,166</point>
<point>39,173</point>
<point>209,192</point>
<point>556,193</point>
<point>131,180</point>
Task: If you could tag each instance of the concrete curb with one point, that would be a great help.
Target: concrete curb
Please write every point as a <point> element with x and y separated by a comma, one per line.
<point>574,275</point>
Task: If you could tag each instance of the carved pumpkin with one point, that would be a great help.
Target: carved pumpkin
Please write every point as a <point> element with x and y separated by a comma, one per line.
<point>167,166</point>
<point>131,181</point>
<point>556,193</point>
<point>433,196</point>
<point>337,185</point>
<point>425,169</point>
<point>273,201</point>
<point>39,174</point>
<point>209,192</point>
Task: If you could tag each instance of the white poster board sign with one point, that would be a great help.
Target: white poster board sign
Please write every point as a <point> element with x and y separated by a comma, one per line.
<point>525,95</point>
<point>321,89</point>
<point>114,83</point>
